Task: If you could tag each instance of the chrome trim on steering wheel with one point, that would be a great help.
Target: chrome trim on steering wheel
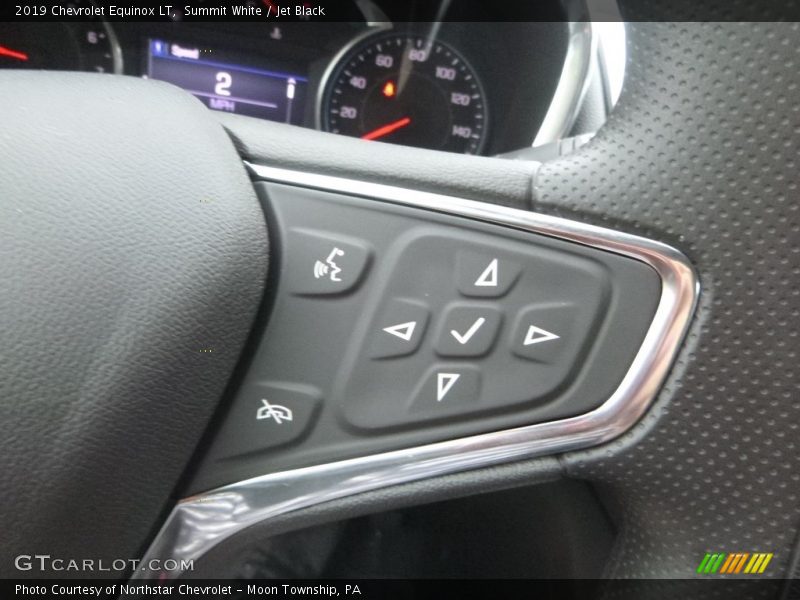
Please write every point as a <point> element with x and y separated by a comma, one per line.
<point>199,523</point>
<point>572,85</point>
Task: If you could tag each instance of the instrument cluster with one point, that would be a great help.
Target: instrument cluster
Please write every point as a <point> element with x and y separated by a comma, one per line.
<point>467,87</point>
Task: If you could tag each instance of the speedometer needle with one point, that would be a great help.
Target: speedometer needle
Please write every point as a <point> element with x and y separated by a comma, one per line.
<point>12,53</point>
<point>386,129</point>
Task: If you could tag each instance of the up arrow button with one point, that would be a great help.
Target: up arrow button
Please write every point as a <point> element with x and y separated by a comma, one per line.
<point>483,275</point>
<point>489,276</point>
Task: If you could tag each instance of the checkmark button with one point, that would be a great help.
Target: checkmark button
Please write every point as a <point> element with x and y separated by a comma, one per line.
<point>467,335</point>
<point>468,329</point>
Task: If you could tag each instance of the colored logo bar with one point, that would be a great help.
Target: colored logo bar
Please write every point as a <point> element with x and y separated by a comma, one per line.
<point>735,563</point>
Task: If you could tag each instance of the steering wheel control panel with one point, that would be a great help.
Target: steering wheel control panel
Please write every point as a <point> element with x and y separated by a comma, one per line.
<point>393,327</point>
<point>469,323</point>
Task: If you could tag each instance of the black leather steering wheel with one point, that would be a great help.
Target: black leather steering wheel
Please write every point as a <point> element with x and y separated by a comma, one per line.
<point>134,267</point>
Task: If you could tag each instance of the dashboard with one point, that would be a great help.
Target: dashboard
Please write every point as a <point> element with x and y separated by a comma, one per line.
<point>465,87</point>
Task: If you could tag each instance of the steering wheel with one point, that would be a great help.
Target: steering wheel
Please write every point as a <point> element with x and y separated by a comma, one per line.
<point>148,254</point>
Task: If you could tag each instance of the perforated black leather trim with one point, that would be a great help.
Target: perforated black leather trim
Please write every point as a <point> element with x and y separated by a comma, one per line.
<point>702,152</point>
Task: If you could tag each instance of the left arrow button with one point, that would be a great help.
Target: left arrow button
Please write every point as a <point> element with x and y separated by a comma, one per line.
<point>399,328</point>
<point>404,330</point>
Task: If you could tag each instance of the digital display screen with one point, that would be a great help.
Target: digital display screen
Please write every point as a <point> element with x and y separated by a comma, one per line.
<point>254,92</point>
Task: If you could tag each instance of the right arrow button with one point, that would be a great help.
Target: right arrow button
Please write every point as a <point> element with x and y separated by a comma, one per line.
<point>536,335</point>
<point>550,333</point>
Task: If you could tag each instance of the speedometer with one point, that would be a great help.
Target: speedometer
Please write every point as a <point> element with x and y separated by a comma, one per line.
<point>406,89</point>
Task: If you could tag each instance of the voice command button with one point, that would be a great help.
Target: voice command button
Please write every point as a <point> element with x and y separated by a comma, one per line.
<point>323,263</point>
